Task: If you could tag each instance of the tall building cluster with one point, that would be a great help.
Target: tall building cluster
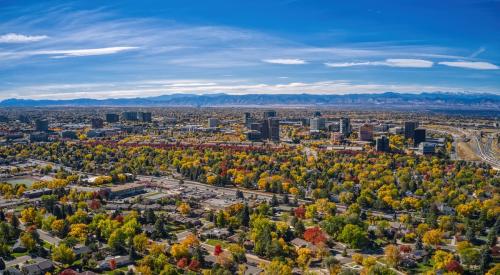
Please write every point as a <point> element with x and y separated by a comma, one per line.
<point>267,129</point>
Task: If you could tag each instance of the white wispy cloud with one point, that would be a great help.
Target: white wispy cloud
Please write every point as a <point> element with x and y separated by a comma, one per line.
<point>285,61</point>
<point>401,63</point>
<point>166,48</point>
<point>478,52</point>
<point>21,38</point>
<point>207,86</point>
<point>470,65</point>
<point>83,52</point>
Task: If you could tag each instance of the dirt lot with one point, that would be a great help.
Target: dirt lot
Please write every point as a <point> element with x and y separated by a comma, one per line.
<point>465,151</point>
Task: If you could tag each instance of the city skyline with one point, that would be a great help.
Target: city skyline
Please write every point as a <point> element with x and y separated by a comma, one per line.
<point>58,50</point>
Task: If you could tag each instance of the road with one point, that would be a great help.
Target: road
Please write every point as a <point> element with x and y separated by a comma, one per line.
<point>44,236</point>
<point>18,260</point>
<point>169,181</point>
<point>485,151</point>
<point>482,149</point>
<point>250,257</point>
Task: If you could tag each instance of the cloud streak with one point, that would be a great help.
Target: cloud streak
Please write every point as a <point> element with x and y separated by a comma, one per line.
<point>470,65</point>
<point>400,63</point>
<point>285,61</point>
<point>210,86</point>
<point>20,38</point>
<point>84,52</point>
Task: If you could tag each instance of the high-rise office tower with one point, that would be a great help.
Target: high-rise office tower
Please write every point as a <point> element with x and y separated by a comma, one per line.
<point>410,127</point>
<point>247,119</point>
<point>24,119</point>
<point>144,116</point>
<point>317,123</point>
<point>419,136</point>
<point>41,125</point>
<point>213,122</point>
<point>269,113</point>
<point>345,126</point>
<point>264,129</point>
<point>274,129</point>
<point>382,144</point>
<point>97,123</point>
<point>366,132</point>
<point>112,118</point>
<point>130,116</point>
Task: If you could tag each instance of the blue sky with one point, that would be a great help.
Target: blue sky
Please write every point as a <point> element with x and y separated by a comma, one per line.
<point>103,49</point>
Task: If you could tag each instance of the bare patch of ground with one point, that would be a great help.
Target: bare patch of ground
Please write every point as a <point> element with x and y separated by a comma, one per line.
<point>465,151</point>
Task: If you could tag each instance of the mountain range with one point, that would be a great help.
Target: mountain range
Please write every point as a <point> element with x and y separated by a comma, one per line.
<point>388,100</point>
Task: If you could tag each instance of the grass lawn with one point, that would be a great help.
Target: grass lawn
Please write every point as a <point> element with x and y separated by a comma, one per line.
<point>15,255</point>
<point>46,245</point>
<point>175,227</point>
<point>421,268</point>
<point>215,242</point>
<point>123,268</point>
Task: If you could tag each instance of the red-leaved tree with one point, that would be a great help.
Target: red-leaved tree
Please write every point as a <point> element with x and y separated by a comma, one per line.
<point>217,250</point>
<point>112,264</point>
<point>300,212</point>
<point>182,263</point>
<point>314,235</point>
<point>194,265</point>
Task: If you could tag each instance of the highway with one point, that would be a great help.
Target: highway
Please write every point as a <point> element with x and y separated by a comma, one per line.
<point>485,151</point>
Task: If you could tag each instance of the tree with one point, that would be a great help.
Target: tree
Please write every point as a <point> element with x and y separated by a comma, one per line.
<point>159,229</point>
<point>299,228</point>
<point>117,239</point>
<point>274,201</point>
<point>333,225</point>
<point>314,235</point>
<point>261,235</point>
<point>182,263</point>
<point>332,265</point>
<point>194,265</point>
<point>492,237</point>
<point>191,240</point>
<point>285,199</point>
<point>245,215</point>
<point>149,216</point>
<point>392,255</point>
<point>30,215</point>
<point>112,264</point>
<point>300,212</point>
<point>143,270</point>
<point>470,256</point>
<point>433,237</point>
<point>28,241</point>
<point>380,270</point>
<point>485,259</point>
<point>441,259</point>
<point>217,250</point>
<point>58,227</point>
<point>63,254</point>
<point>354,236</point>
<point>184,208</point>
<point>2,264</point>
<point>304,256</point>
<point>277,267</point>
<point>357,258</point>
<point>454,266</point>
<point>140,242</point>
<point>79,231</point>
<point>494,270</point>
<point>179,251</point>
